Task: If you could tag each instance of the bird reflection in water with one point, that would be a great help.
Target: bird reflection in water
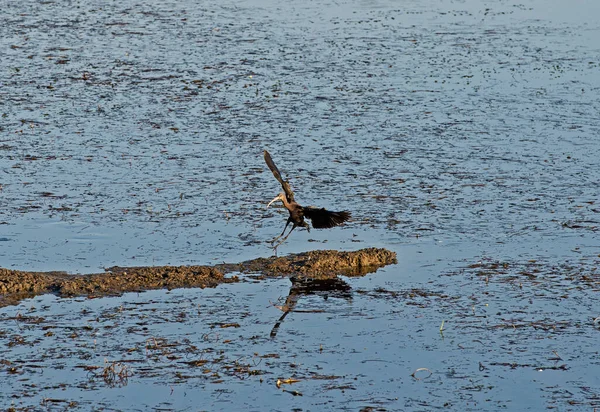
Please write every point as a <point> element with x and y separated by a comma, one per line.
<point>302,286</point>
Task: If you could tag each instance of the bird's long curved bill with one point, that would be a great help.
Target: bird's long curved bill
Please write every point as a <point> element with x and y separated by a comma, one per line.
<point>273,201</point>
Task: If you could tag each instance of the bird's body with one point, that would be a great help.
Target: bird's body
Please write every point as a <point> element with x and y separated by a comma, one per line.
<point>320,217</point>
<point>296,211</point>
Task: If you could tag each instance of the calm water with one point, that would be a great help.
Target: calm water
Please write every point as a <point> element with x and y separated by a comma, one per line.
<point>456,133</point>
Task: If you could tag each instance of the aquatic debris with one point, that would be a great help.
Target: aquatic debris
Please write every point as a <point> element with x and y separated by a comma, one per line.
<point>113,373</point>
<point>514,365</point>
<point>287,381</point>
<point>414,374</point>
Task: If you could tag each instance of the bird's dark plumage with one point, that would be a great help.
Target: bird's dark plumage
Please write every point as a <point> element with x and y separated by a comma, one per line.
<point>324,219</point>
<point>320,217</point>
<point>284,184</point>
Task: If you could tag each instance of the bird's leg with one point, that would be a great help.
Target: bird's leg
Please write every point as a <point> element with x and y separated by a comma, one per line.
<point>307,226</point>
<point>286,225</point>
<point>283,240</point>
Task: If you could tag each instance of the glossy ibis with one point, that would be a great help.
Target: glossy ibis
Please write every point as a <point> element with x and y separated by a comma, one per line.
<point>320,217</point>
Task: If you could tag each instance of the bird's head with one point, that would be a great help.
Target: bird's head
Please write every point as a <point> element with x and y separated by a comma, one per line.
<point>280,196</point>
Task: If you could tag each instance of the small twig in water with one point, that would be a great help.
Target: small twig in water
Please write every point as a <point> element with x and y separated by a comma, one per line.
<point>288,381</point>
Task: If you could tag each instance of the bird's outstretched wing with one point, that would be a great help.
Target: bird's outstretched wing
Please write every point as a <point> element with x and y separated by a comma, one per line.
<point>324,219</point>
<point>286,186</point>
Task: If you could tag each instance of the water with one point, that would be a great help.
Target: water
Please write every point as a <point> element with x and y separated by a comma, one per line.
<point>455,132</point>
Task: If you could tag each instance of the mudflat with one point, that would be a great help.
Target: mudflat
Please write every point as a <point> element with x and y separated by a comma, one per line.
<point>318,264</point>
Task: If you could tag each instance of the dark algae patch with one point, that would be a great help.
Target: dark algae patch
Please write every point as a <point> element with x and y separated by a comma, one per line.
<point>319,264</point>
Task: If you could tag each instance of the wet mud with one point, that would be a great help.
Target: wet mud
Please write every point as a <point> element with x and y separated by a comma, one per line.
<point>320,264</point>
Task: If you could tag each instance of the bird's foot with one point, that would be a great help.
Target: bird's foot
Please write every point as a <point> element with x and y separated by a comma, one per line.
<point>275,246</point>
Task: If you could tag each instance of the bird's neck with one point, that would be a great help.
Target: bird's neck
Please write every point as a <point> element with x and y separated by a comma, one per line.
<point>285,202</point>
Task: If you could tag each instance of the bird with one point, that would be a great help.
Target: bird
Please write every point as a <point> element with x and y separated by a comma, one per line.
<point>320,217</point>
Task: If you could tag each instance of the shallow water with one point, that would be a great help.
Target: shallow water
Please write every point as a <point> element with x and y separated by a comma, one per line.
<point>455,132</point>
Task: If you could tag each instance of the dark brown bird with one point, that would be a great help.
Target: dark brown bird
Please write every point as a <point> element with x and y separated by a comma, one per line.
<point>320,218</point>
